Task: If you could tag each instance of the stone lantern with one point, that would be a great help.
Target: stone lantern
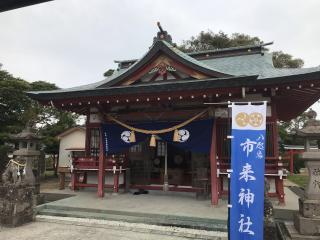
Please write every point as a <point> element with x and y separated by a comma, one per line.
<point>19,192</point>
<point>28,147</point>
<point>307,221</point>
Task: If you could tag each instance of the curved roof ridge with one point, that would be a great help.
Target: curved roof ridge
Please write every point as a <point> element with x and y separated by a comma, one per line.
<point>282,72</point>
<point>206,51</point>
<point>191,59</point>
<point>230,48</point>
<point>162,45</point>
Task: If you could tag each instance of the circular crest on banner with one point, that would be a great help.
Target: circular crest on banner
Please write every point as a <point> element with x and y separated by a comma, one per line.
<point>242,119</point>
<point>125,136</point>
<point>183,134</point>
<point>255,119</point>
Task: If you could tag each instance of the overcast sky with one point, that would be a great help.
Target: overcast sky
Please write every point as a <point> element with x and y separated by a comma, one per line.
<point>72,42</point>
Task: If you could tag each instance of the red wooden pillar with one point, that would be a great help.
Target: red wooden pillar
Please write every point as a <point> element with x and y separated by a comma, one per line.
<point>101,169</point>
<point>74,180</point>
<point>278,181</point>
<point>275,133</point>
<point>280,190</point>
<point>116,182</point>
<point>213,167</point>
<point>87,140</point>
<point>291,160</point>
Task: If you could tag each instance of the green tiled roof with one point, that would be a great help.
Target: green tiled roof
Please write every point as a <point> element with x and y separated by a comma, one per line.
<point>191,59</point>
<point>254,64</point>
<point>259,64</point>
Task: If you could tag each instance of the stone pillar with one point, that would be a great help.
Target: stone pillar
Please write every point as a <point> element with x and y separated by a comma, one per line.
<point>270,229</point>
<point>307,221</point>
<point>16,204</point>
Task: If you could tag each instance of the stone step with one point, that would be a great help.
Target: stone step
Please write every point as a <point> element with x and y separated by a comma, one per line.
<point>135,227</point>
<point>133,217</point>
<point>294,234</point>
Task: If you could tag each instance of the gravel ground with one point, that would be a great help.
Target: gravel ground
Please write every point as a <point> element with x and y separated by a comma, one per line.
<point>59,228</point>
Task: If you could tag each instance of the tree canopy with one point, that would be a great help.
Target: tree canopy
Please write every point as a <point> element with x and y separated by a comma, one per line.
<point>108,73</point>
<point>17,110</point>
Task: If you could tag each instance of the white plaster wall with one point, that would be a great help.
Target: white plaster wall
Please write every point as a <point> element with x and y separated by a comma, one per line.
<point>109,178</point>
<point>75,139</point>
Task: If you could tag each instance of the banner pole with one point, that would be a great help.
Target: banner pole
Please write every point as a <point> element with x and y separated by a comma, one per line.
<point>229,170</point>
<point>165,177</point>
<point>229,202</point>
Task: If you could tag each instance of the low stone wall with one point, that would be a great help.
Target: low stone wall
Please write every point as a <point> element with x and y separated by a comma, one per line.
<point>16,205</point>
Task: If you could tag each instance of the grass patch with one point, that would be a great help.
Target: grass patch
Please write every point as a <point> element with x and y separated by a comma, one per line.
<point>298,179</point>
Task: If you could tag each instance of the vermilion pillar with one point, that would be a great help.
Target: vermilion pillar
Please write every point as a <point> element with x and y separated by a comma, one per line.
<point>291,159</point>
<point>278,181</point>
<point>101,170</point>
<point>116,182</point>
<point>213,166</point>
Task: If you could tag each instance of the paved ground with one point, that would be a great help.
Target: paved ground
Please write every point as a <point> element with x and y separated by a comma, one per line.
<point>57,231</point>
<point>157,202</point>
<point>57,228</point>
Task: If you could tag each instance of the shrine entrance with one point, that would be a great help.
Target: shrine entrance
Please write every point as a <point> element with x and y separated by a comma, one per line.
<point>167,166</point>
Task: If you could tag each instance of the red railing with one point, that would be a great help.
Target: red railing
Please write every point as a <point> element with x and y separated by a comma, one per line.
<point>85,163</point>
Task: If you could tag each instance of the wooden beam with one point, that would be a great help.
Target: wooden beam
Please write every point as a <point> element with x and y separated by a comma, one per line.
<point>154,77</point>
<point>165,76</point>
<point>176,75</point>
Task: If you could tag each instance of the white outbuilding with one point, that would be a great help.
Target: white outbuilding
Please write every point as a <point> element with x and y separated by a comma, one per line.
<point>72,143</point>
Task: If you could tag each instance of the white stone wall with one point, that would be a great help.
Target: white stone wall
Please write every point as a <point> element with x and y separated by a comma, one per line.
<point>75,139</point>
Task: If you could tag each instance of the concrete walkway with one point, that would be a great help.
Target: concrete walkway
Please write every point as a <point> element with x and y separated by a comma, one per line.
<point>157,202</point>
<point>63,230</point>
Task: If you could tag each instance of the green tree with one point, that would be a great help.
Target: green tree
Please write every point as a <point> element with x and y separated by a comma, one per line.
<point>49,133</point>
<point>211,41</point>
<point>17,109</point>
<point>284,60</point>
<point>287,130</point>
<point>13,104</point>
<point>42,86</point>
<point>108,73</point>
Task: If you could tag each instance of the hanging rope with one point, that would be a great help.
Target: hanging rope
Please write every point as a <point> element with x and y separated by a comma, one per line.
<point>154,132</point>
<point>16,163</point>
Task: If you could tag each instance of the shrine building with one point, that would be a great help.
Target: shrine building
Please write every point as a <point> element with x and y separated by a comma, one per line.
<point>162,122</point>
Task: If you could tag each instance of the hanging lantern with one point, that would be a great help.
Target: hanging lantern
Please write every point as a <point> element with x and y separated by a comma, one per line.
<point>176,135</point>
<point>153,141</point>
<point>132,137</point>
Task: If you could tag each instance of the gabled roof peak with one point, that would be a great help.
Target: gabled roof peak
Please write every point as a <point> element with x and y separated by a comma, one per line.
<point>214,53</point>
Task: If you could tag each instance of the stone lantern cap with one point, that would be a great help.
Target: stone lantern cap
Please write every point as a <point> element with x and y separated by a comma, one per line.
<point>312,127</point>
<point>26,134</point>
<point>30,137</point>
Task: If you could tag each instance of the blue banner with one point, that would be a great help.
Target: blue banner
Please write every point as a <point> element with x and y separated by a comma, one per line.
<point>247,177</point>
<point>196,136</point>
